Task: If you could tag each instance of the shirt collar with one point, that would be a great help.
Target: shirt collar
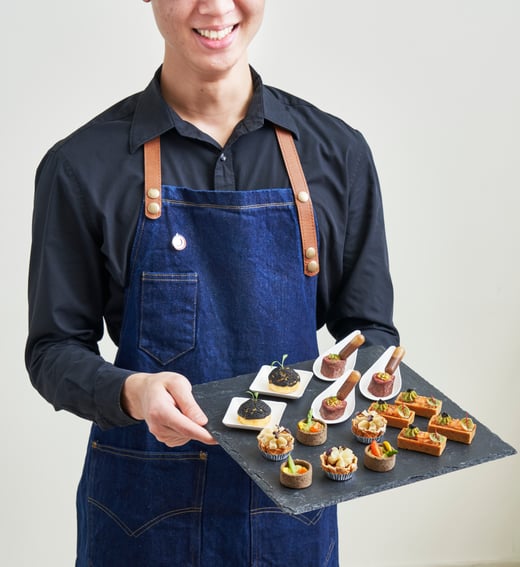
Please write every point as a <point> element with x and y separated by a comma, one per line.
<point>153,116</point>
<point>277,110</point>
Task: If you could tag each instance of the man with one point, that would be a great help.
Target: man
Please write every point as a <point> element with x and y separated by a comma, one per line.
<point>181,218</point>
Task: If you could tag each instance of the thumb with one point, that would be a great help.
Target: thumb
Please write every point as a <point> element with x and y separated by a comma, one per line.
<point>186,403</point>
<point>192,410</point>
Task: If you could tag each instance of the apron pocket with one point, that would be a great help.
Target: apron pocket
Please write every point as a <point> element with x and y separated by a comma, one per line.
<point>138,499</point>
<point>168,314</point>
<point>277,536</point>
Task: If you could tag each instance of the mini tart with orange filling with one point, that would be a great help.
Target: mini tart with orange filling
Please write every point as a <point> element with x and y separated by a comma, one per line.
<point>379,457</point>
<point>461,429</point>
<point>310,431</point>
<point>413,439</point>
<point>396,415</point>
<point>425,406</point>
<point>296,473</point>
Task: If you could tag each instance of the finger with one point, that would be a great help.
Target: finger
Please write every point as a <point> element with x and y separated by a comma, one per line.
<point>178,441</point>
<point>174,428</point>
<point>186,427</point>
<point>174,438</point>
<point>184,400</point>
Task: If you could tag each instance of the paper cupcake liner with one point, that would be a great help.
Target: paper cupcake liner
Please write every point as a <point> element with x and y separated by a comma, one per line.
<point>275,457</point>
<point>338,476</point>
<point>368,440</point>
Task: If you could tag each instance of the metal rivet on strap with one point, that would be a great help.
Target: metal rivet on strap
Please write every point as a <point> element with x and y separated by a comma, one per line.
<point>303,196</point>
<point>153,193</point>
<point>310,252</point>
<point>312,266</point>
<point>154,208</point>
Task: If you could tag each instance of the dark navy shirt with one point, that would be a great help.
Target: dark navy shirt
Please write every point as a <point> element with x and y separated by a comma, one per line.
<point>89,192</point>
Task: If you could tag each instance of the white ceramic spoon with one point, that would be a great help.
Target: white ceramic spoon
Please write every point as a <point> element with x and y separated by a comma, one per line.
<point>337,389</point>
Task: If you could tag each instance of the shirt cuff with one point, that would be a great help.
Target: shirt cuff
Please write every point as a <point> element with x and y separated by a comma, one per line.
<point>107,398</point>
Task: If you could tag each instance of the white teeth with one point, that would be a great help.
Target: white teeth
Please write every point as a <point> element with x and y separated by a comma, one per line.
<point>216,34</point>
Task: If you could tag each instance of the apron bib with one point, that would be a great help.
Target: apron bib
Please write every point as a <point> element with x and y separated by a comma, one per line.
<point>221,282</point>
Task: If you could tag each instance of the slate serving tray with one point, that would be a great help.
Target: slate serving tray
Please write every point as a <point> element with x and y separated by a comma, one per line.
<point>241,445</point>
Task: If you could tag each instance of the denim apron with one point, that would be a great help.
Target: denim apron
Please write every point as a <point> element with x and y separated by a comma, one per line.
<point>221,282</point>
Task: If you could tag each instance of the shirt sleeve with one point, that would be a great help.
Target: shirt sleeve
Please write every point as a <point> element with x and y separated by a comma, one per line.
<point>67,296</point>
<point>365,299</point>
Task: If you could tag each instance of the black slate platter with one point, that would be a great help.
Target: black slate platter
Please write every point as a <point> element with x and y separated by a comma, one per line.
<point>241,445</point>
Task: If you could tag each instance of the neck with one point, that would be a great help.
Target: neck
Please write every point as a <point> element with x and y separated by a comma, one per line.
<point>214,103</point>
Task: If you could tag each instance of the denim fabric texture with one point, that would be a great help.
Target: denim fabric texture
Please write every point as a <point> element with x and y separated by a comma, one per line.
<point>234,298</point>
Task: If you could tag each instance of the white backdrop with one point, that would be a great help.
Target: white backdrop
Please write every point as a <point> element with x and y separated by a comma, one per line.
<point>435,88</point>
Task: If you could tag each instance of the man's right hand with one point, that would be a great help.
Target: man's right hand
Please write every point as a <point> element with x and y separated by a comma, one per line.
<point>165,401</point>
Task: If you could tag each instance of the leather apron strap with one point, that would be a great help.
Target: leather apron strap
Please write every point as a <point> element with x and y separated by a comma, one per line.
<point>302,197</point>
<point>152,178</point>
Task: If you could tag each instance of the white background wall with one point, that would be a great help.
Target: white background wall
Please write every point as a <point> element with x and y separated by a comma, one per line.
<point>435,88</point>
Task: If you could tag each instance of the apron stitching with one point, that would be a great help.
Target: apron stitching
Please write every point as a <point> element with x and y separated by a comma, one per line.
<point>152,455</point>
<point>166,276</point>
<point>145,527</point>
<point>232,207</point>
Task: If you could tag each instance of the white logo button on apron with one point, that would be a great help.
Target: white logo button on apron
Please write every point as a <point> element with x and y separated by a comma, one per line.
<point>179,242</point>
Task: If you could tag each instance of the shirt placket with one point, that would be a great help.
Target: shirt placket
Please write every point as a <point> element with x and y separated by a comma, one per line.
<point>224,176</point>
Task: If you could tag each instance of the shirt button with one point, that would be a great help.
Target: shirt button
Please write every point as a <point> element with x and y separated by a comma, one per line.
<point>222,157</point>
<point>310,252</point>
<point>312,266</point>
<point>303,196</point>
<point>153,193</point>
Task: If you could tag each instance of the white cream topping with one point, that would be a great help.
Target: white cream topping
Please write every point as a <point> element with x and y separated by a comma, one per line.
<point>215,34</point>
<point>340,458</point>
<point>275,437</point>
<point>370,421</point>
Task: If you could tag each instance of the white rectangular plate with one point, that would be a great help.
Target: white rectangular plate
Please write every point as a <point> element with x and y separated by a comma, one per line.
<point>261,383</point>
<point>230,418</point>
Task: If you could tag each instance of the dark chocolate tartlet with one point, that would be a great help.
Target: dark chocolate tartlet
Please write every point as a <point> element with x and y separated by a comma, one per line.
<point>283,379</point>
<point>254,411</point>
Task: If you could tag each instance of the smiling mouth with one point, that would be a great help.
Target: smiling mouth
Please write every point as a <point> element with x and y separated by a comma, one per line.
<point>215,34</point>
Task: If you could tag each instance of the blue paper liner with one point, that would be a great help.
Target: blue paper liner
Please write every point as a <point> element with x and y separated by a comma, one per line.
<point>275,457</point>
<point>338,476</point>
<point>368,440</point>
